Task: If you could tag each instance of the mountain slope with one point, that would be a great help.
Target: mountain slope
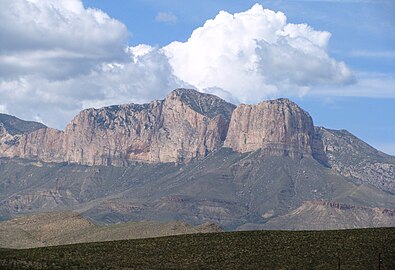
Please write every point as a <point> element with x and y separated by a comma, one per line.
<point>226,187</point>
<point>354,158</point>
<point>196,158</point>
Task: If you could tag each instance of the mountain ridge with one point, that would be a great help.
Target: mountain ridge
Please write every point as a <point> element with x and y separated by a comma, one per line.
<point>186,125</point>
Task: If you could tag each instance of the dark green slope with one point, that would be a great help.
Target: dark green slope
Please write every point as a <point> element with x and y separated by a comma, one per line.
<point>356,249</point>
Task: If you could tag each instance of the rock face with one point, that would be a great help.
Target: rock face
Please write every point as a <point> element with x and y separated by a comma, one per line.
<point>186,125</point>
<point>260,179</point>
<point>278,127</point>
<point>45,144</point>
<point>108,136</point>
<point>27,139</point>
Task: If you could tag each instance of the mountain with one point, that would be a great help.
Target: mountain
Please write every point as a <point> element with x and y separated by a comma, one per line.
<point>61,228</point>
<point>184,126</point>
<point>196,158</point>
<point>276,126</point>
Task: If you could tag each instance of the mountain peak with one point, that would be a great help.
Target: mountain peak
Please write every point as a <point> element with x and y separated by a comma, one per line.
<point>206,104</point>
<point>184,91</point>
<point>278,127</point>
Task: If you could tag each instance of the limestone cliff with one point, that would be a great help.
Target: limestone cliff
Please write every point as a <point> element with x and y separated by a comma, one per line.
<point>278,127</point>
<point>110,135</point>
<point>26,139</point>
<point>45,144</point>
<point>186,125</point>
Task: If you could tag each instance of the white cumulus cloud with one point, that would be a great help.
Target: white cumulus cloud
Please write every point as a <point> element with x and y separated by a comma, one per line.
<point>256,54</point>
<point>56,39</point>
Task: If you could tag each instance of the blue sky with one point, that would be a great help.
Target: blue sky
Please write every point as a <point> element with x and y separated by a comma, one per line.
<point>351,87</point>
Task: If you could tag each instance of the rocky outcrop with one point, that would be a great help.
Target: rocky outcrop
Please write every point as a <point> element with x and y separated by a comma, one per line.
<point>278,127</point>
<point>25,139</point>
<point>186,125</point>
<point>45,144</point>
<point>112,135</point>
<point>351,157</point>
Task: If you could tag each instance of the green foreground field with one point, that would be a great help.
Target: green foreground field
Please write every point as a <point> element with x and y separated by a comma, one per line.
<point>356,249</point>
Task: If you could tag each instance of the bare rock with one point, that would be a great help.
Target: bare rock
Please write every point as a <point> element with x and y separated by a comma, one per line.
<point>25,139</point>
<point>112,135</point>
<point>278,127</point>
<point>186,125</point>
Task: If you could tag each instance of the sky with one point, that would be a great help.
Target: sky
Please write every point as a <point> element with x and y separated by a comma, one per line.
<point>336,59</point>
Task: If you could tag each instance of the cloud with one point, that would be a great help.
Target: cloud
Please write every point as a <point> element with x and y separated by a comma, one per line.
<point>166,17</point>
<point>143,78</point>
<point>3,108</point>
<point>256,54</point>
<point>376,85</point>
<point>56,39</point>
<point>58,57</point>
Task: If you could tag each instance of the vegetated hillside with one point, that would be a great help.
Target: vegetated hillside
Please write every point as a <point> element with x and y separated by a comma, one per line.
<point>61,228</point>
<point>352,249</point>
